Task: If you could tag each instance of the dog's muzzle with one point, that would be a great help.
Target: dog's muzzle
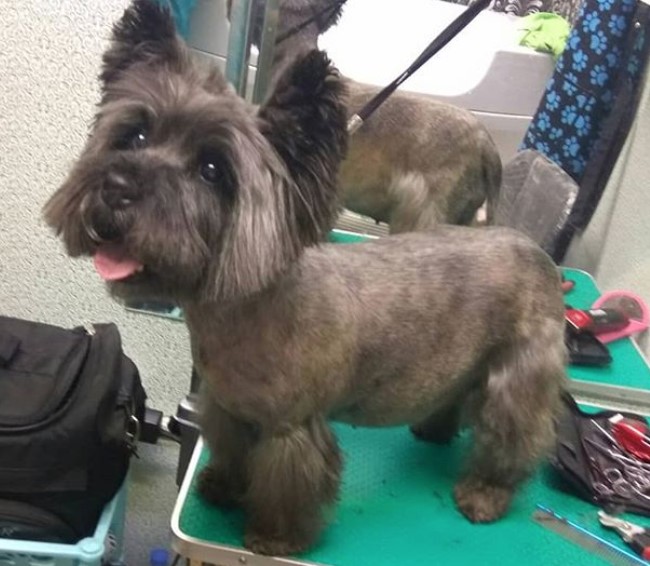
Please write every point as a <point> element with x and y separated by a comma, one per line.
<point>85,222</point>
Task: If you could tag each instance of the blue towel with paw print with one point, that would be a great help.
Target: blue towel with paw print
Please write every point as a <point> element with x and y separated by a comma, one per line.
<point>605,48</point>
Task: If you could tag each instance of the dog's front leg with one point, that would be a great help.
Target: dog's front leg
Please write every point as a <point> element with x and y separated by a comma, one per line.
<point>223,481</point>
<point>293,473</point>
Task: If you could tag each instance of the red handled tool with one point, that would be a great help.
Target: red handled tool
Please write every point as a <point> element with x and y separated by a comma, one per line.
<point>632,435</point>
<point>596,321</point>
<point>635,536</point>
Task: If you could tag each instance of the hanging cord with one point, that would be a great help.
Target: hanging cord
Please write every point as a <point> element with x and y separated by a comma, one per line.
<point>453,29</point>
<point>329,11</point>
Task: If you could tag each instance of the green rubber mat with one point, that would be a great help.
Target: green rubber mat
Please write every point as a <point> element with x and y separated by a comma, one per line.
<point>396,505</point>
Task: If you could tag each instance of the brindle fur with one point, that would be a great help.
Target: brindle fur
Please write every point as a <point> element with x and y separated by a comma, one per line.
<point>457,326</point>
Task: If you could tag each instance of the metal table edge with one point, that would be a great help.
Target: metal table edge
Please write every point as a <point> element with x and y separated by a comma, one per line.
<point>221,555</point>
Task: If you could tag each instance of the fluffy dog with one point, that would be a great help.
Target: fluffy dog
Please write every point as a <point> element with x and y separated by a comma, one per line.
<point>416,162</point>
<point>187,193</point>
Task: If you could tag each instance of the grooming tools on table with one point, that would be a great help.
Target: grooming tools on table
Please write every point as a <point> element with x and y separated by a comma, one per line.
<point>632,435</point>
<point>605,550</point>
<point>626,450</point>
<point>596,321</point>
<point>615,315</point>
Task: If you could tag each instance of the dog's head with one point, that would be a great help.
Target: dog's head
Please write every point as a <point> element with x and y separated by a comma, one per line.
<point>186,191</point>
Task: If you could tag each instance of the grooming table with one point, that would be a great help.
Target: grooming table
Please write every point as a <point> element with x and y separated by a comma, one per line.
<point>396,505</point>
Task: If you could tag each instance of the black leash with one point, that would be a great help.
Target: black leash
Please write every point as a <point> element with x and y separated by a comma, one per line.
<point>451,31</point>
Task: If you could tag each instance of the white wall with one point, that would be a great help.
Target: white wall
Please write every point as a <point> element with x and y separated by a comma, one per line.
<point>49,57</point>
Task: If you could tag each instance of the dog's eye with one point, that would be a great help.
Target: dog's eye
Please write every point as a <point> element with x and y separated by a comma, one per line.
<point>213,168</point>
<point>209,171</point>
<point>139,140</point>
<point>133,139</point>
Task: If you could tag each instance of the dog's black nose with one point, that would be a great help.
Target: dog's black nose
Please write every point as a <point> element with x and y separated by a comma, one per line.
<point>119,190</point>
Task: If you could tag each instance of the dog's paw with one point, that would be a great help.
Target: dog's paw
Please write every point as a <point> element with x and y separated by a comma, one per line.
<point>215,488</point>
<point>481,502</point>
<point>273,546</point>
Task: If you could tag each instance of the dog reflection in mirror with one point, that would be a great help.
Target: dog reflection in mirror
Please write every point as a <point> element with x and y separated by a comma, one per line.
<point>185,192</point>
<point>417,162</point>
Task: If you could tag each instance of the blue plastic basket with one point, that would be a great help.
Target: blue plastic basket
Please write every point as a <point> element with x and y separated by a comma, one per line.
<point>105,547</point>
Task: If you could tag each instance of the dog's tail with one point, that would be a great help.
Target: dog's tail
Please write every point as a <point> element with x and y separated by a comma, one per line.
<point>491,173</point>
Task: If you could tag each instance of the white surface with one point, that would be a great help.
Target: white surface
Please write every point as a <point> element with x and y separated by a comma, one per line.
<point>209,27</point>
<point>50,56</point>
<point>482,69</point>
<point>376,40</point>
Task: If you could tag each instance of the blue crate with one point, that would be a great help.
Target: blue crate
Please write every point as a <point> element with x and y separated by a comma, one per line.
<point>105,547</point>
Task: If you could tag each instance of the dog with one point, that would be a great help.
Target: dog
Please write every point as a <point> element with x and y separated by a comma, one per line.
<point>416,162</point>
<point>186,192</point>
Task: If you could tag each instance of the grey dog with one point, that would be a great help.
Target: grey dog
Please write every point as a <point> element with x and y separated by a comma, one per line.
<point>417,162</point>
<point>186,192</point>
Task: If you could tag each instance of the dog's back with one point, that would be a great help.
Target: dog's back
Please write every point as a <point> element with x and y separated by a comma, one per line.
<point>429,312</point>
<point>418,162</point>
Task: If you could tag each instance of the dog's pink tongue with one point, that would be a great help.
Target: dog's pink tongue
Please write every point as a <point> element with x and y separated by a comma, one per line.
<point>113,263</point>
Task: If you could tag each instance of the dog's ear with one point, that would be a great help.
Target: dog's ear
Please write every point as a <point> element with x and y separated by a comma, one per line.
<point>146,32</point>
<point>305,120</point>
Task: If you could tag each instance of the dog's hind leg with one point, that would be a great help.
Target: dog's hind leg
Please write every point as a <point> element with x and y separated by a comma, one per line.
<point>514,428</point>
<point>222,482</point>
<point>440,427</point>
<point>293,474</point>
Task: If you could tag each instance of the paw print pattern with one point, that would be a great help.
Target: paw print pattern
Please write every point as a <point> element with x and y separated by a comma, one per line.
<point>585,103</point>
<point>569,87</point>
<point>582,125</point>
<point>598,75</point>
<point>617,25</point>
<point>544,121</point>
<point>578,164</point>
<point>627,6</point>
<point>580,60</point>
<point>569,115</point>
<point>591,22</point>
<point>570,146</point>
<point>599,42</point>
<point>585,83</point>
<point>633,65</point>
<point>553,100</point>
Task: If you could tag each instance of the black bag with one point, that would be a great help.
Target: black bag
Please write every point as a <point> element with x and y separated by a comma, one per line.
<point>585,466</point>
<point>70,403</point>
